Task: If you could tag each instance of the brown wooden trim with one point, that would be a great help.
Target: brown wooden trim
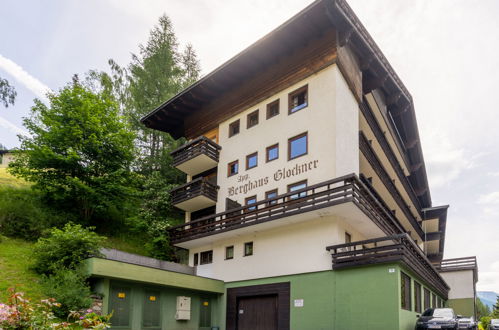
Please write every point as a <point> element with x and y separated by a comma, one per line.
<point>295,138</point>
<point>248,119</point>
<point>267,152</point>
<point>295,92</point>
<point>282,290</point>
<point>248,158</point>
<point>236,122</point>
<point>228,168</point>
<point>270,105</point>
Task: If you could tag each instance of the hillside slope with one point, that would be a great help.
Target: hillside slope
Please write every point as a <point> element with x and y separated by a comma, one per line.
<point>489,298</point>
<point>6,179</point>
<point>14,269</point>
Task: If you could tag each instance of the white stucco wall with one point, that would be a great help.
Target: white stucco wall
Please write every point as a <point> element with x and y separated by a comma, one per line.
<point>460,282</point>
<point>331,120</point>
<point>292,249</point>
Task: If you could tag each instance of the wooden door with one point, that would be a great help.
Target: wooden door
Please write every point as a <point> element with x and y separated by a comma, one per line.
<point>257,313</point>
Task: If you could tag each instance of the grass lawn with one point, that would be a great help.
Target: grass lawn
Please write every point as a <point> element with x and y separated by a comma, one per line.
<point>126,244</point>
<point>9,180</point>
<point>14,269</point>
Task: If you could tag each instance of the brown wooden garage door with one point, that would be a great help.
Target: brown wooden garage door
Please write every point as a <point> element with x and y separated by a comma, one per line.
<point>258,312</point>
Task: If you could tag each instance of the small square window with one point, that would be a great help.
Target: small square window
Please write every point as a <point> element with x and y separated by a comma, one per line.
<point>196,259</point>
<point>252,119</point>
<point>249,201</point>
<point>298,99</point>
<point>233,168</point>
<point>252,160</point>
<point>206,257</point>
<point>271,194</point>
<point>248,249</point>
<point>234,128</point>
<point>295,187</point>
<point>273,109</point>
<point>272,152</point>
<point>229,252</point>
<point>298,146</point>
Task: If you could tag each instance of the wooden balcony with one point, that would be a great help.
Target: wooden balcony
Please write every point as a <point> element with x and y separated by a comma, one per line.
<point>457,264</point>
<point>195,195</point>
<point>347,189</point>
<point>390,249</point>
<point>197,156</point>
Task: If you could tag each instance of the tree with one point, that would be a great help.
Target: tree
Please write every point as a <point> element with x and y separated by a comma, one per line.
<point>495,309</point>
<point>7,93</point>
<point>481,309</point>
<point>79,152</point>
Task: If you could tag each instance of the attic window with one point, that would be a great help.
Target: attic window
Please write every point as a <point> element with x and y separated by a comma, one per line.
<point>234,128</point>
<point>298,99</point>
<point>252,119</point>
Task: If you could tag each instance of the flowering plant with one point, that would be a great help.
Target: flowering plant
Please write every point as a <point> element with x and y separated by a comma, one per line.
<point>91,320</point>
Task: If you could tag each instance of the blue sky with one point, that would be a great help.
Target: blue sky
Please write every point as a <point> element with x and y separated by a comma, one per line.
<point>445,52</point>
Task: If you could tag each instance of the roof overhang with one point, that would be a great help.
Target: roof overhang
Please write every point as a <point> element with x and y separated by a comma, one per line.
<point>434,225</point>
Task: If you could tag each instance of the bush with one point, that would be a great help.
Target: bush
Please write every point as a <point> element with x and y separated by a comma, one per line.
<point>24,215</point>
<point>65,248</point>
<point>69,288</point>
<point>485,320</point>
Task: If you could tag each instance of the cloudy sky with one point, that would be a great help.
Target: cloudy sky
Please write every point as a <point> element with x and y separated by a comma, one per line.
<point>445,51</point>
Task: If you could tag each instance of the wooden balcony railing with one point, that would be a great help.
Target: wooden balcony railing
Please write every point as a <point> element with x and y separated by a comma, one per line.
<point>457,264</point>
<point>393,248</point>
<point>199,146</point>
<point>192,189</point>
<point>337,191</point>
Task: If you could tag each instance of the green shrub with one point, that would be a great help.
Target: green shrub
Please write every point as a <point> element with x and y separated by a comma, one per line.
<point>69,288</point>
<point>24,215</point>
<point>65,248</point>
<point>485,320</point>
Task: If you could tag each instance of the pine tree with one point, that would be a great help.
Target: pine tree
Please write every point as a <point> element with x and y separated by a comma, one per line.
<point>7,93</point>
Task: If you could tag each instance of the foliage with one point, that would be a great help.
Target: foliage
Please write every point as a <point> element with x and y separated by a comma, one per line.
<point>69,288</point>
<point>481,309</point>
<point>7,93</point>
<point>20,313</point>
<point>485,321</point>
<point>15,262</point>
<point>90,320</point>
<point>65,248</point>
<point>495,309</point>
<point>23,213</point>
<point>79,152</point>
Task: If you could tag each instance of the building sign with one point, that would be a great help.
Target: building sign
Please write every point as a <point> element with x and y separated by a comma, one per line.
<point>247,184</point>
<point>298,302</point>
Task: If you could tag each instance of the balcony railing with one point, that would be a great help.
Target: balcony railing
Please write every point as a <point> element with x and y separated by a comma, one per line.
<point>333,192</point>
<point>196,156</point>
<point>457,264</point>
<point>195,195</point>
<point>394,248</point>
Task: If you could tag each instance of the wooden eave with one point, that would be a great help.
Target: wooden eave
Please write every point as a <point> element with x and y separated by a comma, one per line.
<point>289,38</point>
<point>440,213</point>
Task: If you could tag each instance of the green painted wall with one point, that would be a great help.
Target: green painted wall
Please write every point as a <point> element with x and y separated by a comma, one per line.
<point>464,307</point>
<point>366,298</point>
<point>119,270</point>
<point>168,300</point>
<point>317,292</point>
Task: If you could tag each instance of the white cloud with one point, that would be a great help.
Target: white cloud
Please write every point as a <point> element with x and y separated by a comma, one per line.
<point>490,198</point>
<point>11,127</point>
<point>15,70</point>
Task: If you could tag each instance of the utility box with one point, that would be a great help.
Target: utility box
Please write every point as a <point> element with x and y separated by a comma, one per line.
<point>183,308</point>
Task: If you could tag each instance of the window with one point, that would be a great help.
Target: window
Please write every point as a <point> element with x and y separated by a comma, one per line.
<point>405,291</point>
<point>233,168</point>
<point>273,152</point>
<point>229,252</point>
<point>249,201</point>
<point>433,300</point>
<point>271,194</point>
<point>297,186</point>
<point>248,249</point>
<point>252,119</point>
<point>273,109</point>
<point>417,297</point>
<point>298,99</point>
<point>206,257</point>
<point>348,239</point>
<point>234,128</point>
<point>426,299</point>
<point>251,160</point>
<point>297,146</point>
<point>196,259</point>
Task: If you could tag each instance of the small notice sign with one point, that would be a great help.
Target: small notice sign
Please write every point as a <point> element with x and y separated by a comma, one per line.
<point>298,302</point>
<point>121,295</point>
<point>391,270</point>
<point>152,298</point>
